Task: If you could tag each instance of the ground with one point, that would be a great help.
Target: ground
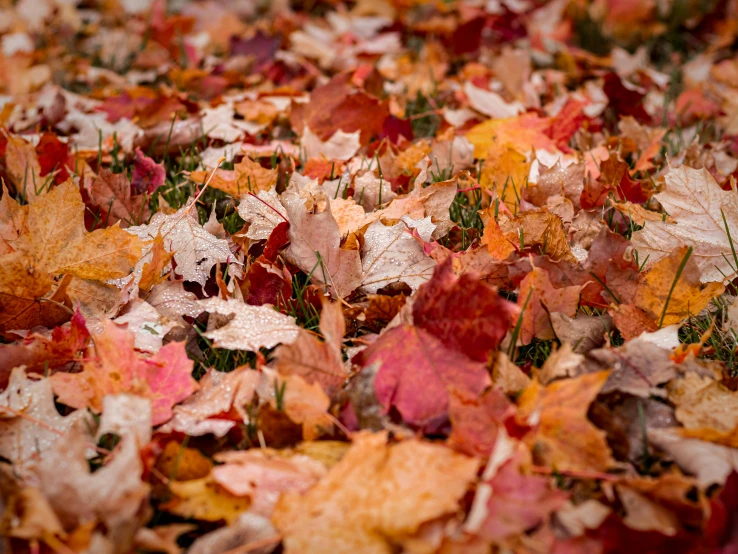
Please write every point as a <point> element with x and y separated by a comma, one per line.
<point>369,277</point>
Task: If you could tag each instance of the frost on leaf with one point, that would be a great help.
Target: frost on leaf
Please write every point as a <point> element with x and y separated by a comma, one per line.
<point>263,212</point>
<point>392,254</point>
<point>30,424</point>
<point>195,250</point>
<point>250,327</point>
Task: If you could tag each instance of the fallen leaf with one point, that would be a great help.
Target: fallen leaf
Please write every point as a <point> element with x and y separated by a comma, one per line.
<point>111,192</point>
<point>563,437</point>
<point>30,425</point>
<point>475,421</point>
<point>537,299</point>
<point>702,402</point>
<point>391,254</point>
<point>205,500</point>
<point>670,296</point>
<point>542,230</point>
<point>263,476</point>
<point>263,212</point>
<point>195,250</point>
<point>698,204</point>
<point>508,501</point>
<point>250,327</point>
<point>410,357</point>
<point>165,378</point>
<point>207,410</point>
<point>314,360</point>
<point>709,463</point>
<point>315,244</point>
<point>112,495</point>
<point>464,313</point>
<point>380,482</point>
<point>147,174</point>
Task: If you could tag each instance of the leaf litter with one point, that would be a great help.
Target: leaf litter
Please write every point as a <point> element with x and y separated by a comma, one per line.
<point>368,277</point>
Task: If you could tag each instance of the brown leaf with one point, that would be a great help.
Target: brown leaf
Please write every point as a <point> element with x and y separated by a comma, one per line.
<point>112,193</point>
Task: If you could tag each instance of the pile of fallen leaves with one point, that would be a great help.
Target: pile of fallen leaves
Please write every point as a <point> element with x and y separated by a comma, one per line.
<point>368,277</point>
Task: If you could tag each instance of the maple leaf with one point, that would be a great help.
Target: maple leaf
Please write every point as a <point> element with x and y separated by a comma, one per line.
<point>563,438</point>
<point>250,327</point>
<point>538,298</point>
<point>219,393</point>
<point>112,193</point>
<point>58,243</point>
<point>476,421</point>
<point>195,250</point>
<point>165,378</point>
<point>410,357</point>
<point>539,229</point>
<point>263,212</point>
<point>433,201</point>
<point>315,243</point>
<point>464,313</point>
<point>39,353</point>
<point>671,290</point>
<point>147,174</point>
<point>391,491</point>
<point>317,361</point>
<point>54,241</point>
<point>505,171</point>
<point>247,176</point>
<point>112,495</point>
<point>523,133</point>
<point>391,254</point>
<point>709,463</point>
<point>336,107</point>
<point>702,402</point>
<point>30,425</point>
<point>508,501</point>
<point>705,215</point>
<point>206,500</point>
<point>24,168</point>
<point>263,476</point>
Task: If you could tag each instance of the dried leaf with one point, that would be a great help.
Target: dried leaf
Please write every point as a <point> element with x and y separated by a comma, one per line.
<point>409,358</point>
<point>195,250</point>
<point>685,296</point>
<point>698,204</point>
<point>392,491</point>
<point>250,327</point>
<point>563,437</point>
<point>391,254</point>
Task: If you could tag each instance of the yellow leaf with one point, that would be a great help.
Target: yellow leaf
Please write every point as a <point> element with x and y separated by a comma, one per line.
<point>505,171</point>
<point>206,500</point>
<point>687,298</point>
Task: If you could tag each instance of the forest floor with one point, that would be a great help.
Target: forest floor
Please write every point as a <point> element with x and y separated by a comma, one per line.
<point>367,277</point>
